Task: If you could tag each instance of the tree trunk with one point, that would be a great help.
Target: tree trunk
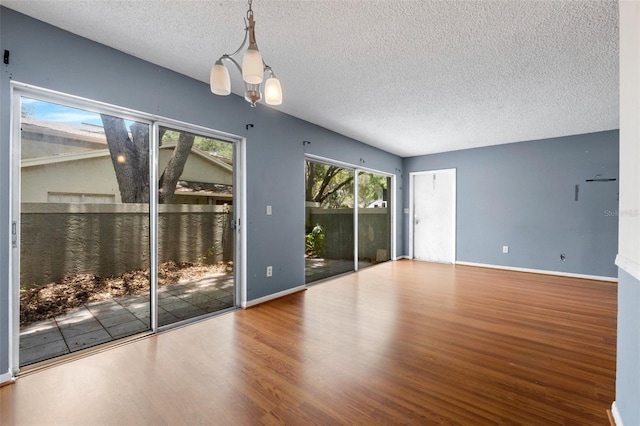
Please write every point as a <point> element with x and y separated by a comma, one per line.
<point>130,157</point>
<point>175,167</point>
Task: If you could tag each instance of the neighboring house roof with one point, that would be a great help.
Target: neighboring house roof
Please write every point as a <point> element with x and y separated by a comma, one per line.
<point>65,132</point>
<point>91,136</point>
<point>219,161</point>
<point>61,158</point>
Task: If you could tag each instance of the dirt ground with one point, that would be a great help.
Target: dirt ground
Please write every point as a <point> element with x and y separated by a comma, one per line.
<point>57,298</point>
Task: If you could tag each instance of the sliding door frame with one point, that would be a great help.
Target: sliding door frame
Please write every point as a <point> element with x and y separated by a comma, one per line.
<point>356,170</point>
<point>17,91</point>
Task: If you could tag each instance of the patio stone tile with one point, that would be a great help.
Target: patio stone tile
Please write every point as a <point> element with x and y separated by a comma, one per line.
<point>111,309</point>
<point>79,315</point>
<point>38,338</point>
<point>212,305</point>
<point>217,293</point>
<point>102,306</point>
<point>75,312</point>
<point>227,300</point>
<point>42,352</point>
<point>164,293</point>
<point>127,328</point>
<point>40,326</point>
<point>75,329</point>
<point>165,317</point>
<point>133,300</point>
<point>187,312</point>
<point>141,312</point>
<point>124,317</point>
<point>173,304</point>
<point>83,341</point>
<point>196,298</point>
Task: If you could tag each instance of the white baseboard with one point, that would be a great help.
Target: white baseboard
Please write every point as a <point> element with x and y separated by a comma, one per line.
<point>6,377</point>
<point>259,300</point>
<point>631,267</point>
<point>401,257</point>
<point>540,271</point>
<point>616,414</point>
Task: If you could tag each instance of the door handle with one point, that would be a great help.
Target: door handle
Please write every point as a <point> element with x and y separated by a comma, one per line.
<point>14,235</point>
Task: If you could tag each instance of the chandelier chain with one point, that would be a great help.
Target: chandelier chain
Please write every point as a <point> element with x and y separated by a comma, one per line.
<point>250,11</point>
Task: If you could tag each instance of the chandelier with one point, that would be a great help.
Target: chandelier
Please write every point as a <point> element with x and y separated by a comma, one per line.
<point>253,70</point>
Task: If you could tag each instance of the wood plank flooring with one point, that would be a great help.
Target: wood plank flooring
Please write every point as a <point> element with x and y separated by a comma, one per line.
<point>399,343</point>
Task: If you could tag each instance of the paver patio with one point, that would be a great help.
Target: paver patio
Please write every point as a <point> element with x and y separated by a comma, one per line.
<point>107,320</point>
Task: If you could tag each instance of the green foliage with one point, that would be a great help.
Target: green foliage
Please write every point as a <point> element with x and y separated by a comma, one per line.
<point>371,188</point>
<point>315,241</point>
<point>214,146</point>
<point>210,254</point>
<point>219,148</point>
<point>331,186</point>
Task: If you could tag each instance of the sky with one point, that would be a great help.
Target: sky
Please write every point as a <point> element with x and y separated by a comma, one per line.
<point>46,111</point>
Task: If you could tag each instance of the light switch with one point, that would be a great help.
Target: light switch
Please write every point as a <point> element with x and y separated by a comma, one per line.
<point>268,210</point>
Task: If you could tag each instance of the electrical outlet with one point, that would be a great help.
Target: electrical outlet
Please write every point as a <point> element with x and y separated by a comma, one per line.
<point>562,256</point>
<point>269,271</point>
<point>505,249</point>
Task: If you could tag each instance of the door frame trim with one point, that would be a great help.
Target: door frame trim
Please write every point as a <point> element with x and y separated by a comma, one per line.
<point>412,176</point>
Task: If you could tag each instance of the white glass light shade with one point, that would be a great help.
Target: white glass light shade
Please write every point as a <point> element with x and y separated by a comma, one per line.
<point>220,81</point>
<point>273,91</point>
<point>252,67</point>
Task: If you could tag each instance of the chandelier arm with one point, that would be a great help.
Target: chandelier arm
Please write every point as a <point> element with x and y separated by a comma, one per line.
<point>244,41</point>
<point>269,69</point>
<point>229,58</point>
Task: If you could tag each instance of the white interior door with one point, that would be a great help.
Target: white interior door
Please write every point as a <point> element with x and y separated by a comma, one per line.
<point>434,216</point>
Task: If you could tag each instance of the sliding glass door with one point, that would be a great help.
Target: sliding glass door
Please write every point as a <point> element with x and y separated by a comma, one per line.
<point>121,225</point>
<point>374,219</point>
<point>195,213</point>
<point>347,227</point>
<point>84,229</point>
<point>329,221</point>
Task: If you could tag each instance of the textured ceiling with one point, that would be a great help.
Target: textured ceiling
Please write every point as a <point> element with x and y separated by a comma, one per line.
<point>410,77</point>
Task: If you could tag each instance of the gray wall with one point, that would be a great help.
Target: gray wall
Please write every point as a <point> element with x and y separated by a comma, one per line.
<point>523,195</point>
<point>45,56</point>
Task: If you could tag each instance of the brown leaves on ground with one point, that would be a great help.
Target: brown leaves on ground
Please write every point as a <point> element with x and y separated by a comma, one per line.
<point>54,299</point>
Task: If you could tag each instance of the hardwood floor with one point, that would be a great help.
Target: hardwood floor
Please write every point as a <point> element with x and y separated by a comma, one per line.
<point>399,343</point>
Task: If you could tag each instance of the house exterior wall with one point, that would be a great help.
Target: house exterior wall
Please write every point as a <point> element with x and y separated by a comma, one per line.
<point>197,169</point>
<point>86,176</point>
<point>96,176</point>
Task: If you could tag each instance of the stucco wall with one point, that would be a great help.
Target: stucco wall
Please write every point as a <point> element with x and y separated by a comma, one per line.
<point>107,240</point>
<point>373,232</point>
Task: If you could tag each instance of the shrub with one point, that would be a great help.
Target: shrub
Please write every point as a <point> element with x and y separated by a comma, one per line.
<point>315,241</point>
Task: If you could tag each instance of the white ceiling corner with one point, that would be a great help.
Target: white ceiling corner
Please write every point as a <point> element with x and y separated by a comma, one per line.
<point>410,77</point>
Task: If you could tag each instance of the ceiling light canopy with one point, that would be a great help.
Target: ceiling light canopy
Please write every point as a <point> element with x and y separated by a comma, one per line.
<point>253,70</point>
